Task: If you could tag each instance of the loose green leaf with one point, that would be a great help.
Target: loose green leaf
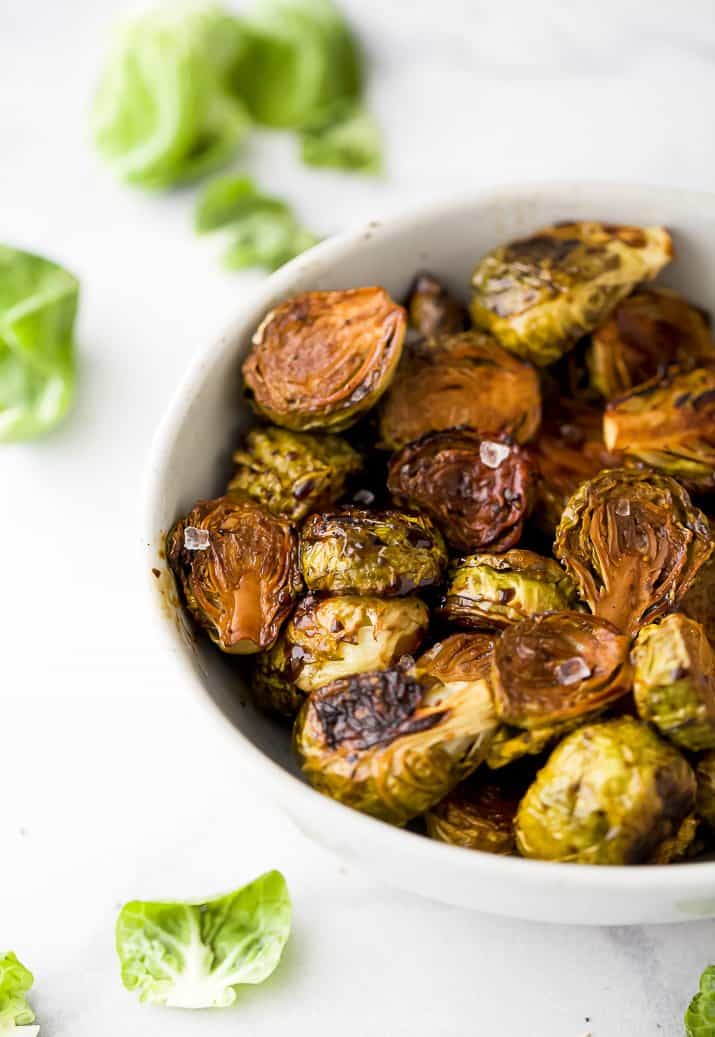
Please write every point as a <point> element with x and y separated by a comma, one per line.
<point>38,305</point>
<point>164,112</point>
<point>700,1016</point>
<point>15,981</point>
<point>193,955</point>
<point>352,143</point>
<point>228,199</point>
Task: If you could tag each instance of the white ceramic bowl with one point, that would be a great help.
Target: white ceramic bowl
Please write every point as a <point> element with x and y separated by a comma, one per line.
<point>190,460</point>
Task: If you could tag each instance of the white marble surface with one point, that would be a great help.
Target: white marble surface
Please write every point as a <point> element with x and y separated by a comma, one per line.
<point>113,786</point>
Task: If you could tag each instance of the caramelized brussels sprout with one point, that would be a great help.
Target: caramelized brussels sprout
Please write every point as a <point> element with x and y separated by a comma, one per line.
<point>237,565</point>
<point>511,743</point>
<point>540,294</point>
<point>705,796</point>
<point>699,602</point>
<point>432,311</point>
<point>646,333</point>
<point>393,743</point>
<point>293,473</point>
<point>457,659</point>
<point>354,551</point>
<point>321,359</point>
<point>465,379</point>
<point>674,682</point>
<point>478,490</point>
<point>554,668</point>
<point>479,814</point>
<point>669,423</point>
<point>633,543</point>
<point>327,638</point>
<point>610,793</point>
<point>491,591</point>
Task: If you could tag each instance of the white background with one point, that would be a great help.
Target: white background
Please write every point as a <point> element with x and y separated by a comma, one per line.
<point>112,786</point>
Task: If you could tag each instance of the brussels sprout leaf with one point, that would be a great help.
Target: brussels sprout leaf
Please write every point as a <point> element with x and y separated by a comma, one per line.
<point>700,1016</point>
<point>15,981</point>
<point>230,198</point>
<point>193,955</point>
<point>352,143</point>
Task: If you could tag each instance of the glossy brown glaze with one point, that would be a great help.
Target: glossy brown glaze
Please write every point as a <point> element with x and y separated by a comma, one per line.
<point>433,311</point>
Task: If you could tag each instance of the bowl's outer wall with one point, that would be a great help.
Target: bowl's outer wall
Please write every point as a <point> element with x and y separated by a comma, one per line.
<point>191,459</point>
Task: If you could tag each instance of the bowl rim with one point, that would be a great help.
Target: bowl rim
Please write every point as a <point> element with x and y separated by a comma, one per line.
<point>286,787</point>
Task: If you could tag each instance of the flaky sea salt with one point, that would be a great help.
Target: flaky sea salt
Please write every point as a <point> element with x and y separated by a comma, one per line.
<point>570,671</point>
<point>623,508</point>
<point>492,454</point>
<point>196,539</point>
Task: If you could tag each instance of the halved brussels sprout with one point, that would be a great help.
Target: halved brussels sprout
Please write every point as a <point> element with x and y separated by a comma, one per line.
<point>669,423</point>
<point>479,814</point>
<point>633,543</point>
<point>705,797</point>
<point>610,793</point>
<point>491,591</point>
<point>237,565</point>
<point>646,333</point>
<point>433,311</point>
<point>674,681</point>
<point>327,638</point>
<point>540,294</point>
<point>557,667</point>
<point>457,659</point>
<point>479,490</point>
<point>465,379</point>
<point>512,743</point>
<point>354,551</point>
<point>393,742</point>
<point>699,602</point>
<point>293,473</point>
<point>321,359</point>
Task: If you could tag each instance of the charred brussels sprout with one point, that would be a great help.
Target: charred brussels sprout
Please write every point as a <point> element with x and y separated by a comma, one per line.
<point>465,379</point>
<point>491,591</point>
<point>328,638</point>
<point>392,743</point>
<point>293,473</point>
<point>321,359</point>
<point>674,682</point>
<point>699,602</point>
<point>705,797</point>
<point>669,423</point>
<point>479,814</point>
<point>646,333</point>
<point>557,668</point>
<point>479,490</point>
<point>433,311</point>
<point>633,543</point>
<point>610,793</point>
<point>540,294</point>
<point>354,551</point>
<point>237,565</point>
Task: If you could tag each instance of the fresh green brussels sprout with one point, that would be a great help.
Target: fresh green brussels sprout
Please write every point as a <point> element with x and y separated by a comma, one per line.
<point>646,333</point>
<point>610,793</point>
<point>479,490</point>
<point>540,294</point>
<point>633,543</point>
<point>699,602</point>
<point>321,359</point>
<point>432,311</point>
<point>328,638</point>
<point>392,743</point>
<point>479,814</point>
<point>16,1015</point>
<point>491,591</point>
<point>293,473</point>
<point>237,565</point>
<point>674,681</point>
<point>355,551</point>
<point>669,424</point>
<point>557,667</point>
<point>705,798</point>
<point>465,379</point>
<point>700,1013</point>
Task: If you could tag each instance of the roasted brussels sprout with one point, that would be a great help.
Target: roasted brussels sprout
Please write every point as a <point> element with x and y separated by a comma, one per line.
<point>705,796</point>
<point>327,638</point>
<point>674,682</point>
<point>540,294</point>
<point>432,311</point>
<point>610,793</point>
<point>354,551</point>
<point>321,359</point>
<point>491,591</point>
<point>465,379</point>
<point>646,333</point>
<point>512,743</point>
<point>479,490</point>
<point>392,743</point>
<point>293,473</point>
<point>669,423</point>
<point>699,602</point>
<point>237,565</point>
<point>458,658</point>
<point>633,543</point>
<point>555,668</point>
<point>479,814</point>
